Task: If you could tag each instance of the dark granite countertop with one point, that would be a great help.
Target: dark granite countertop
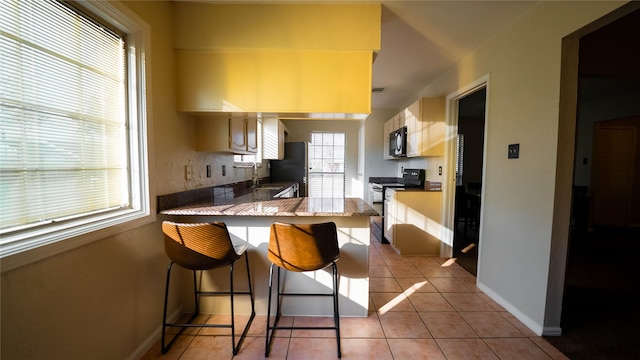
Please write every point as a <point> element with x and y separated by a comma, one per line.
<point>243,200</point>
<point>248,205</point>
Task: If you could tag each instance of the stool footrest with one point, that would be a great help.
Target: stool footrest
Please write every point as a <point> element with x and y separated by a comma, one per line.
<point>303,294</point>
<point>302,328</point>
<point>214,293</point>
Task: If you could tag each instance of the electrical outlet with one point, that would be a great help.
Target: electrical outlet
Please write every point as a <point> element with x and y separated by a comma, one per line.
<point>439,170</point>
<point>188,174</point>
<point>224,170</point>
<point>208,171</point>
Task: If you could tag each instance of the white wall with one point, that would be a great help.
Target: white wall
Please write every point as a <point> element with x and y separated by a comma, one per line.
<point>374,145</point>
<point>523,63</point>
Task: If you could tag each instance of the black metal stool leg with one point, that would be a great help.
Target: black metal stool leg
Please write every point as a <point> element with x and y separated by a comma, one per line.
<point>336,312</point>
<point>236,346</point>
<point>164,313</point>
<point>196,296</point>
<point>253,308</point>
<point>269,337</point>
<point>253,311</point>
<point>166,347</point>
<point>233,313</point>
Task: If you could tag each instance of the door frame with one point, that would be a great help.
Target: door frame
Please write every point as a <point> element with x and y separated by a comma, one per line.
<point>565,165</point>
<point>449,175</point>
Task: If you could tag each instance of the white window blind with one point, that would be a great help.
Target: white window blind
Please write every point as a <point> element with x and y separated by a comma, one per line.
<point>73,126</point>
<point>64,132</point>
<point>326,165</point>
<point>459,158</point>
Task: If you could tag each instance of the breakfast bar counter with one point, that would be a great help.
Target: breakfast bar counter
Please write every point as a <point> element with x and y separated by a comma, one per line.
<point>249,219</point>
<point>301,206</point>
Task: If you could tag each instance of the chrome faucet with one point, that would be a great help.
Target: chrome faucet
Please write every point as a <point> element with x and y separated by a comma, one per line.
<point>255,178</point>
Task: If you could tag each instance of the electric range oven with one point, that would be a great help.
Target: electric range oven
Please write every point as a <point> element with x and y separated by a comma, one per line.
<point>411,178</point>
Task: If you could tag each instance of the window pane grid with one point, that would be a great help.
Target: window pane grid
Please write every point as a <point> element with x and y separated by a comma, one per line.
<point>44,82</point>
<point>63,132</point>
<point>326,165</point>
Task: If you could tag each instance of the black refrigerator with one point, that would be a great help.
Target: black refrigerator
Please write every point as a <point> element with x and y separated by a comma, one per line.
<point>293,167</point>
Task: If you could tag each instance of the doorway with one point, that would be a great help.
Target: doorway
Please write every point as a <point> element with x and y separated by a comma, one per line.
<point>601,291</point>
<point>469,167</point>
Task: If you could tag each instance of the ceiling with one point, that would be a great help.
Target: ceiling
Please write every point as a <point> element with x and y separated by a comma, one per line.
<point>420,40</point>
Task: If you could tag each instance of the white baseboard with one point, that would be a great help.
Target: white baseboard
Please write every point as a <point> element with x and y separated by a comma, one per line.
<point>534,326</point>
<point>551,331</point>
<point>151,340</point>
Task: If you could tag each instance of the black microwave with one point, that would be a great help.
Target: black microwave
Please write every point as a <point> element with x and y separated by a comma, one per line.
<point>398,142</point>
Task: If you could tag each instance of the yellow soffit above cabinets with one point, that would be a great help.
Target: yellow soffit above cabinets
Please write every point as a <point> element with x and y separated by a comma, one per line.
<point>275,58</point>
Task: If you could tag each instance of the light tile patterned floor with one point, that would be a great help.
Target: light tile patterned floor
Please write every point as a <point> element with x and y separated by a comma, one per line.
<point>420,308</point>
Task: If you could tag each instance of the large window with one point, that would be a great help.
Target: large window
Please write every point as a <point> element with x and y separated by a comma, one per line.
<point>73,156</point>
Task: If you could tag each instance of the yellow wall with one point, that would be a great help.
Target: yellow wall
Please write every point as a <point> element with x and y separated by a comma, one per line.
<point>279,58</point>
<point>270,26</point>
<point>275,81</point>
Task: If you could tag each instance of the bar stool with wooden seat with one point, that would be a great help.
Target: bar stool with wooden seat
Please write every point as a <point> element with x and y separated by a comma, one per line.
<point>204,246</point>
<point>300,248</point>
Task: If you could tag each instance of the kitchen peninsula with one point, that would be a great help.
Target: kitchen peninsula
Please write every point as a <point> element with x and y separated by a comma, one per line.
<point>248,218</point>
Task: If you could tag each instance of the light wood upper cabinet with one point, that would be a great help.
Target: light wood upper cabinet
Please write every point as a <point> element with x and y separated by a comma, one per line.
<point>399,121</point>
<point>388,128</point>
<point>273,137</point>
<point>425,120</point>
<point>237,134</point>
<point>234,134</point>
<point>251,131</point>
<point>414,132</point>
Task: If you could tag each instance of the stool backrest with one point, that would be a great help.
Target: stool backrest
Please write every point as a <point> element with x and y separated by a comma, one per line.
<point>198,246</point>
<point>303,247</point>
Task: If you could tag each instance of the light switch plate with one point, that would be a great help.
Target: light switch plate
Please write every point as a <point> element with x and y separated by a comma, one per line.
<point>514,151</point>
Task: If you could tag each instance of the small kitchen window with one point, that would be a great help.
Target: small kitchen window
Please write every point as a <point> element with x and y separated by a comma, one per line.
<point>73,161</point>
<point>327,165</point>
